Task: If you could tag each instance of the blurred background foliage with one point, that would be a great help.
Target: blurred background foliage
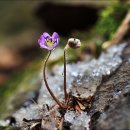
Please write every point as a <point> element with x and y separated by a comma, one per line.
<point>16,17</point>
<point>21,24</point>
<point>110,19</point>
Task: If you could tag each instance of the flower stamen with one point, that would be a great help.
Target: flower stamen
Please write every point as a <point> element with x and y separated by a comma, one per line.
<point>50,42</point>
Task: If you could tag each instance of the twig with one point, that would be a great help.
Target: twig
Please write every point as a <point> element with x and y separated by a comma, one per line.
<point>120,33</point>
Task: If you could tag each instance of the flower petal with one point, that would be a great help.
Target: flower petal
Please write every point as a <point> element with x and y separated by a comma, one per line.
<point>43,46</point>
<point>41,40</point>
<point>50,48</point>
<point>55,35</point>
<point>55,43</point>
<point>45,35</point>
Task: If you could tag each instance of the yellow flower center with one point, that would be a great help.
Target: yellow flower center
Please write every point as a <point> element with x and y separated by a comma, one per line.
<point>49,42</point>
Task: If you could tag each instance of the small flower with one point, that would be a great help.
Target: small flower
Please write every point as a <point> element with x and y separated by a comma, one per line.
<point>73,43</point>
<point>48,42</point>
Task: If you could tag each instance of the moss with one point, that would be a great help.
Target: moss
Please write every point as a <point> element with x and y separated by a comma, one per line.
<point>7,128</point>
<point>129,126</point>
<point>111,18</point>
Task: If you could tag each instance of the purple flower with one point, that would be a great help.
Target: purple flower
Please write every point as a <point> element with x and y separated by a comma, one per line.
<point>48,42</point>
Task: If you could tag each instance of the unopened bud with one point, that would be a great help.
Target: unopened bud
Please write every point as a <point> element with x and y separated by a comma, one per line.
<point>73,43</point>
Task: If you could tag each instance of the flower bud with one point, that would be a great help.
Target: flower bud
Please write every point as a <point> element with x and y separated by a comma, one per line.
<point>73,43</point>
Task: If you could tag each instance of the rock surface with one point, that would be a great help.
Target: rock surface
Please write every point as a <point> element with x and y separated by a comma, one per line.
<point>81,75</point>
<point>111,104</point>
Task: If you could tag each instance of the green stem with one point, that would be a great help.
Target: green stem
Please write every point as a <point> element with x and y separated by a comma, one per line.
<point>46,83</point>
<point>65,90</point>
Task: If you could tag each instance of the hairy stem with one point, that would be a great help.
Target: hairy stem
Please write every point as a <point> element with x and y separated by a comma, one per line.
<point>65,90</point>
<point>46,83</point>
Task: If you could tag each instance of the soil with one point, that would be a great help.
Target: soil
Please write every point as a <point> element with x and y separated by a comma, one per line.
<point>111,104</point>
